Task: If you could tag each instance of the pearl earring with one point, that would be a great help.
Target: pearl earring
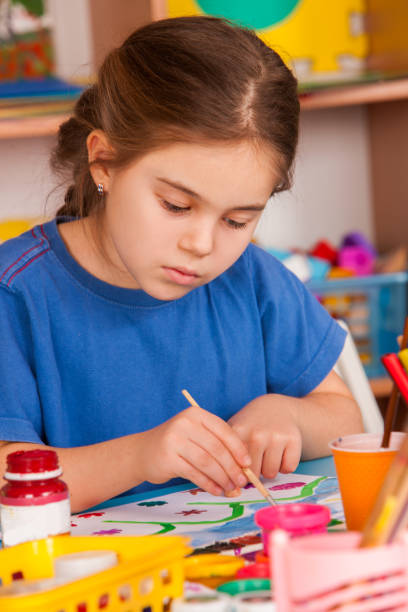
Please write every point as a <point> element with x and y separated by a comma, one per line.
<point>100,189</point>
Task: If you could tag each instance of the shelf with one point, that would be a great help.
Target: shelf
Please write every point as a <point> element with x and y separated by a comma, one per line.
<point>364,93</point>
<point>381,386</point>
<point>29,127</point>
<point>332,97</point>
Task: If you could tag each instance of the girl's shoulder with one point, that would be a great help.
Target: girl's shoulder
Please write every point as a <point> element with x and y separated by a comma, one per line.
<point>18,254</point>
<point>265,267</point>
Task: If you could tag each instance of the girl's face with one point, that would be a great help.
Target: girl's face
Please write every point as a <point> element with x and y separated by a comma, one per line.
<point>180,216</point>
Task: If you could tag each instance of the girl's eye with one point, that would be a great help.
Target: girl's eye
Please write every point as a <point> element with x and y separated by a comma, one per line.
<point>173,208</point>
<point>235,224</point>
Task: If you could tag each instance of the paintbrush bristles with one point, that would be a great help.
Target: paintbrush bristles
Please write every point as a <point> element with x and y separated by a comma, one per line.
<point>247,471</point>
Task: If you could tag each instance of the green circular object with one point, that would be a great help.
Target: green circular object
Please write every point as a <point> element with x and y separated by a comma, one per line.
<point>257,14</point>
<point>245,586</point>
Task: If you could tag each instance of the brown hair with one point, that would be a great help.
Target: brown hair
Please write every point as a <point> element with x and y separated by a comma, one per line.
<point>188,79</point>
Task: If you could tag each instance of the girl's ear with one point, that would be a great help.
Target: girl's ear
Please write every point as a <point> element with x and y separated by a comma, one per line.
<point>99,148</point>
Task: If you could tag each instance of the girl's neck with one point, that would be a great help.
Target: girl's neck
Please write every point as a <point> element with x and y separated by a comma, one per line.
<point>84,241</point>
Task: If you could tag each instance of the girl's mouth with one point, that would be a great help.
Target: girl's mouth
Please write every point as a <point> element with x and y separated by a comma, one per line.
<point>181,276</point>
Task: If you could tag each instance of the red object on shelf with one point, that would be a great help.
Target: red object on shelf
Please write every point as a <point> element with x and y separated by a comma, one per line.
<point>325,250</point>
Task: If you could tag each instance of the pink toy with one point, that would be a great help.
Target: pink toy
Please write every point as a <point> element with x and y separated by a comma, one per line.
<point>329,572</point>
<point>358,239</point>
<point>297,519</point>
<point>357,258</point>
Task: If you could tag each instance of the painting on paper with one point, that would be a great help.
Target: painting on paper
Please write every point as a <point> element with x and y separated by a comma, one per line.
<point>211,523</point>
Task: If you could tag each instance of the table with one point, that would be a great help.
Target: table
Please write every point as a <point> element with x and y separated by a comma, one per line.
<point>319,467</point>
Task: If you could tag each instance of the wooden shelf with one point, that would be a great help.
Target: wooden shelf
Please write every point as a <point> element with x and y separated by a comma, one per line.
<point>367,93</point>
<point>29,127</point>
<point>381,386</point>
<point>364,93</point>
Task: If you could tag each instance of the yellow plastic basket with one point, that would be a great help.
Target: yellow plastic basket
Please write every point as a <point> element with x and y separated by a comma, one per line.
<point>149,574</point>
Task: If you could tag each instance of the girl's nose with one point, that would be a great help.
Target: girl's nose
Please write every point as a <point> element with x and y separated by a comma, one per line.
<point>198,240</point>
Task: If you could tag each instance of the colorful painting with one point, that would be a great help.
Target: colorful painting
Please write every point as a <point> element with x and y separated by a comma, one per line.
<point>319,39</point>
<point>212,523</point>
<point>25,40</point>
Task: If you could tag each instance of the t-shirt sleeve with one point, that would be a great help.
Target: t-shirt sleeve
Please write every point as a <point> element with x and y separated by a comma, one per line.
<point>302,341</point>
<point>20,409</point>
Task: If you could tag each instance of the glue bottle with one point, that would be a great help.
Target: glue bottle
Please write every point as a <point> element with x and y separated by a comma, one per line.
<point>34,503</point>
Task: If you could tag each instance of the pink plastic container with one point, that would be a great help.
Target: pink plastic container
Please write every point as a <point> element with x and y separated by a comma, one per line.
<point>328,572</point>
<point>296,519</point>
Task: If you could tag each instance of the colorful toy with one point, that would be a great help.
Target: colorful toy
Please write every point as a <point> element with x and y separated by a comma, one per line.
<point>212,569</point>
<point>358,239</point>
<point>324,250</point>
<point>359,259</point>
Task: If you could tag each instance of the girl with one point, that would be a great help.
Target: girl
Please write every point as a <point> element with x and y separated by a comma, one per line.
<point>145,283</point>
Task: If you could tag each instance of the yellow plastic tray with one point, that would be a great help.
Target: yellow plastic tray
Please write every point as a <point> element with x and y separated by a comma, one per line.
<point>149,575</point>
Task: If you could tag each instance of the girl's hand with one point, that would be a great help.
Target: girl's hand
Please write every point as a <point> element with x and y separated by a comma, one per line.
<point>269,429</point>
<point>197,445</point>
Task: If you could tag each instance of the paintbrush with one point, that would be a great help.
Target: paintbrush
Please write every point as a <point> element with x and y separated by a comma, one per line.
<point>387,509</point>
<point>247,471</point>
<point>394,397</point>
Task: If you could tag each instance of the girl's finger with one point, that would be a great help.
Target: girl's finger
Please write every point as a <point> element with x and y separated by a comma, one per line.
<point>209,442</point>
<point>190,472</point>
<point>224,432</point>
<point>198,456</point>
<point>272,460</point>
<point>290,457</point>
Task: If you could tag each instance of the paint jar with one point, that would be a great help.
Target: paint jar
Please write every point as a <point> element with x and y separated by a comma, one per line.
<point>209,602</point>
<point>249,585</point>
<point>254,570</point>
<point>84,563</point>
<point>250,595</point>
<point>212,569</point>
<point>296,519</point>
<point>30,587</point>
<point>257,601</point>
<point>34,503</point>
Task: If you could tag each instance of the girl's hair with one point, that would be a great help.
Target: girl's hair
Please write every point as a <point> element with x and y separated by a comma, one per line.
<point>188,79</point>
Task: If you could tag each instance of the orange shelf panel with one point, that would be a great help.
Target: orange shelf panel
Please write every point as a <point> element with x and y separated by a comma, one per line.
<point>30,127</point>
<point>365,93</point>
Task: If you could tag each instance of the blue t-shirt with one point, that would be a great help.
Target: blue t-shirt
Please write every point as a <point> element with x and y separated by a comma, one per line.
<point>83,361</point>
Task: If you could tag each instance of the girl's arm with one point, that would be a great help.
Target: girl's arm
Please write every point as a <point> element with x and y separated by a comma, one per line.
<point>194,444</point>
<point>93,473</point>
<point>280,430</point>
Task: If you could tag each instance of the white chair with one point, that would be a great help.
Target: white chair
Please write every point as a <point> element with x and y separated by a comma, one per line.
<point>350,368</point>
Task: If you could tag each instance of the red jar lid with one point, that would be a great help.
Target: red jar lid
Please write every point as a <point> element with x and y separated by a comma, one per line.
<point>32,461</point>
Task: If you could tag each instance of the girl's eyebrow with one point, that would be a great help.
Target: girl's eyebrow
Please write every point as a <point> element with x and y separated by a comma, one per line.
<point>193,194</point>
<point>180,187</point>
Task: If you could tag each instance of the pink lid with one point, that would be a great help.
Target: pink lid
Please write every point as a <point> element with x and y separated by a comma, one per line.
<point>32,461</point>
<point>292,517</point>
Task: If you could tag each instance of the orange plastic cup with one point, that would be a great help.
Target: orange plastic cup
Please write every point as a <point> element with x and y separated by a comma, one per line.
<point>361,466</point>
